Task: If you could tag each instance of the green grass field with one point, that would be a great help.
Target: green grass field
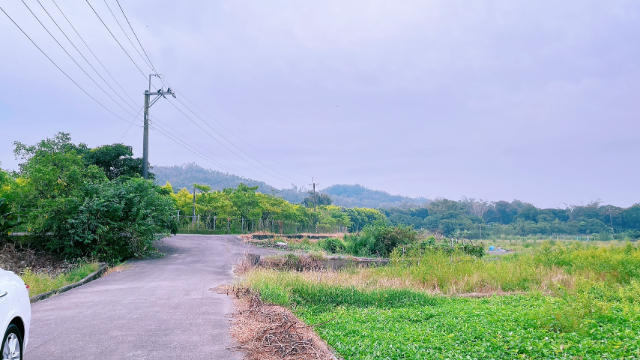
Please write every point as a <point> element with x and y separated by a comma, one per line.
<point>574,301</point>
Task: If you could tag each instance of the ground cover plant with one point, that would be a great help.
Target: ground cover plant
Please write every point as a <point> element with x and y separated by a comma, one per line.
<point>568,300</point>
<point>42,282</point>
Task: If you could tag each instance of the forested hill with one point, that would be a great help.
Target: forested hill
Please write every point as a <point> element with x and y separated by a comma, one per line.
<point>187,174</point>
<point>342,195</point>
<point>360,196</point>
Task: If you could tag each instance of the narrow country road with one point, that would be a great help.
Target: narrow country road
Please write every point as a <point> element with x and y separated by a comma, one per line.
<point>159,309</point>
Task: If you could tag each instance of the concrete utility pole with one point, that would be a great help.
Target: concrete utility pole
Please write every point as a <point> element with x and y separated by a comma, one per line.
<point>194,203</point>
<point>147,105</point>
<point>315,203</point>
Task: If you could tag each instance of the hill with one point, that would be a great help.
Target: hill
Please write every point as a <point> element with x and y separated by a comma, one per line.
<point>360,196</point>
<point>342,195</point>
<point>187,174</point>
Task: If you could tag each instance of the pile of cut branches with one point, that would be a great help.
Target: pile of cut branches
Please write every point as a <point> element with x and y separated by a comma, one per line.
<point>268,332</point>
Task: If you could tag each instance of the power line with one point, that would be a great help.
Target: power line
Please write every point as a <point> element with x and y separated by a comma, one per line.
<point>244,152</point>
<point>134,34</point>
<point>92,53</point>
<point>71,57</point>
<point>114,38</point>
<point>150,63</point>
<point>134,120</point>
<point>223,145</point>
<point>192,143</point>
<point>82,55</point>
<point>125,34</point>
<point>62,71</point>
<point>175,139</point>
<point>231,132</point>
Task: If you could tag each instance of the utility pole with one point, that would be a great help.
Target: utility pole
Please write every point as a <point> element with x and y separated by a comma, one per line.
<point>194,203</point>
<point>611,220</point>
<point>315,203</point>
<point>145,139</point>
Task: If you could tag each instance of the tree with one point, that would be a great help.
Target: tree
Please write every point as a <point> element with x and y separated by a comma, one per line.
<point>245,201</point>
<point>475,207</point>
<point>115,160</point>
<point>320,199</point>
<point>79,212</point>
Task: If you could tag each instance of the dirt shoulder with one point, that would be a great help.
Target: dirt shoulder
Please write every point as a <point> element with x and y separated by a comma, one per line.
<point>16,258</point>
<point>267,332</point>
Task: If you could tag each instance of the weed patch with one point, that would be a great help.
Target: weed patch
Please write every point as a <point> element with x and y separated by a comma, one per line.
<point>41,282</point>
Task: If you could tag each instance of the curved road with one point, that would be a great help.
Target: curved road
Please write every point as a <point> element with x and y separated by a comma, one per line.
<point>159,309</point>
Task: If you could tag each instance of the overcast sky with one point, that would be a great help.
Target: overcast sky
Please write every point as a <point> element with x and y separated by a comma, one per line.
<point>499,100</point>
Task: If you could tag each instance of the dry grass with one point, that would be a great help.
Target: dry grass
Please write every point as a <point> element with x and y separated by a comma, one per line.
<point>266,332</point>
<point>118,268</point>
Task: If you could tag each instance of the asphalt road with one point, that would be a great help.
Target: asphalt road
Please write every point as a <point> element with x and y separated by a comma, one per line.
<point>159,309</point>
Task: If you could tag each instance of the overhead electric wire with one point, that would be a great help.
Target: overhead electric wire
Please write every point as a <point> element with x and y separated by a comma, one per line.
<point>136,35</point>
<point>129,127</point>
<point>223,145</point>
<point>114,38</point>
<point>82,55</point>
<point>244,152</point>
<point>59,68</point>
<point>231,132</point>
<point>187,140</point>
<point>187,146</point>
<point>72,59</point>
<point>150,63</point>
<point>92,53</point>
<point>127,36</point>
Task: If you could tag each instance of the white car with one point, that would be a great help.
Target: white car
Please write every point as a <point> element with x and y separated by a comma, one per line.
<point>15,315</point>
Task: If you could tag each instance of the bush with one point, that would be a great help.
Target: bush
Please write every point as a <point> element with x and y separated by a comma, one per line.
<point>379,240</point>
<point>332,245</point>
<point>114,221</point>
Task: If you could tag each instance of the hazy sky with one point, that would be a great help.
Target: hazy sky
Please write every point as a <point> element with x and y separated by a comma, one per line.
<point>500,99</point>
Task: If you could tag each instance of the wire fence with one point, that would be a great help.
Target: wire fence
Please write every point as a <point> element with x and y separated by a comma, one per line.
<point>239,225</point>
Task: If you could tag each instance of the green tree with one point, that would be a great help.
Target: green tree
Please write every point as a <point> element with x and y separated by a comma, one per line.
<point>115,160</point>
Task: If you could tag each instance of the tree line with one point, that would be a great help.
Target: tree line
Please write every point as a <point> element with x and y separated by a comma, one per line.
<point>476,218</point>
<point>78,201</point>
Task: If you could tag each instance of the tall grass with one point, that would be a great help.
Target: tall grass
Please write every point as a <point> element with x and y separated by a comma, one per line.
<point>586,281</point>
<point>40,283</point>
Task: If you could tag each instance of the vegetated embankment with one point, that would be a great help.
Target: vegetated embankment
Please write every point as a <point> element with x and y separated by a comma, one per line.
<point>568,300</point>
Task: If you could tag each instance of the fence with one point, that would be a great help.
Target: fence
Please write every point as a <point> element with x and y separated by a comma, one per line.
<point>240,225</point>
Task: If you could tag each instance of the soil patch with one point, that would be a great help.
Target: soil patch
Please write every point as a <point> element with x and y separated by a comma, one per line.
<point>266,332</point>
<point>17,259</point>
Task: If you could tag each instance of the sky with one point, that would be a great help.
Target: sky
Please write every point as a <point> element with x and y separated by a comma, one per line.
<point>496,100</point>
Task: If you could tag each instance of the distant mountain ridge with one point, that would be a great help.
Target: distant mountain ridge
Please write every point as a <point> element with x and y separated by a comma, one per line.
<point>360,196</point>
<point>184,176</point>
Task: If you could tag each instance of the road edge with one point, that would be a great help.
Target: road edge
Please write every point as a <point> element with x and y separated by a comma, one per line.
<point>96,274</point>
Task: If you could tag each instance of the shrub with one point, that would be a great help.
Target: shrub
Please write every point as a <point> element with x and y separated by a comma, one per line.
<point>379,240</point>
<point>114,221</point>
<point>332,245</point>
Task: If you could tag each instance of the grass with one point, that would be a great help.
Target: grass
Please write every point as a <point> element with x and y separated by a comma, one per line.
<point>40,283</point>
<point>573,301</point>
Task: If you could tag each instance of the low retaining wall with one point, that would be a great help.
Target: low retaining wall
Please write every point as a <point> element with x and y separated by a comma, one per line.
<point>87,279</point>
<point>294,236</point>
<point>306,262</point>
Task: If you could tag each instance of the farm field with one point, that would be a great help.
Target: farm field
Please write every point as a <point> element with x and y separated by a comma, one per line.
<point>557,300</point>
